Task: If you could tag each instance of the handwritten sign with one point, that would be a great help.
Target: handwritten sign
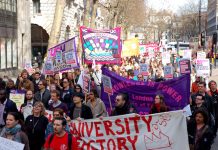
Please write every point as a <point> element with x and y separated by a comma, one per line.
<point>6,144</point>
<point>107,84</point>
<point>18,98</point>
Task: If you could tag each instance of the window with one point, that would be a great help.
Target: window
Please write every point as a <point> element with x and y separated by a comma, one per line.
<point>36,7</point>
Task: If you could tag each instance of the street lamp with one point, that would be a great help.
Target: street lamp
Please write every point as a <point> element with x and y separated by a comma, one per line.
<point>177,40</point>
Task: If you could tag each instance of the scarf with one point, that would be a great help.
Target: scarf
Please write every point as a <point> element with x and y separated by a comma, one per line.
<point>13,130</point>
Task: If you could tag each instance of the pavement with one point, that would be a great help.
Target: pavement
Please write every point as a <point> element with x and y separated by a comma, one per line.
<point>215,77</point>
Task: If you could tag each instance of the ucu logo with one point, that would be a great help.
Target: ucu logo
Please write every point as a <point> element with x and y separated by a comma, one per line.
<point>63,147</point>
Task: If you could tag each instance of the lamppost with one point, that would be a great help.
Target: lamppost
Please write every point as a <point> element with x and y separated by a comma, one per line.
<point>177,40</point>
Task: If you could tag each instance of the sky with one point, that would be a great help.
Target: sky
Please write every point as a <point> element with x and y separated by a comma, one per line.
<point>167,4</point>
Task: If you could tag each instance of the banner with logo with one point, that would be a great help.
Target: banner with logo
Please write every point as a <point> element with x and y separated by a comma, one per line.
<point>63,56</point>
<point>142,94</point>
<point>102,45</point>
<point>203,67</point>
<point>133,132</point>
<point>130,48</point>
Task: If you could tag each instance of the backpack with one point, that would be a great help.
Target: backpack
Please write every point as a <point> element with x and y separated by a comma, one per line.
<point>69,140</point>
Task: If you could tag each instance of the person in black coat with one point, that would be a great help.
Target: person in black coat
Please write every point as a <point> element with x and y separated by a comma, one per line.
<point>123,105</point>
<point>79,110</point>
<point>43,94</point>
<point>199,133</point>
<point>66,93</point>
<point>36,125</point>
<point>10,106</point>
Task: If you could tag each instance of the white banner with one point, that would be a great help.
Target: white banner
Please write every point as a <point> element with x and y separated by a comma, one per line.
<point>6,144</point>
<point>203,67</point>
<point>159,131</point>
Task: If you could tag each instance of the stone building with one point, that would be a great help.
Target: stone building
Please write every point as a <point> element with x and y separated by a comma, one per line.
<point>14,35</point>
<point>42,16</point>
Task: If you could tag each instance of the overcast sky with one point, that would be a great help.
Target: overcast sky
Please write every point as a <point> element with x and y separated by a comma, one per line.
<point>168,4</point>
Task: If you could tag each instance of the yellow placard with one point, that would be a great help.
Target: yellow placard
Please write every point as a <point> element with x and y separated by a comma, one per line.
<point>18,98</point>
<point>130,48</point>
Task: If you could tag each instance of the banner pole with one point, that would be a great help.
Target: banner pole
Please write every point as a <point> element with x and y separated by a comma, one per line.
<point>110,101</point>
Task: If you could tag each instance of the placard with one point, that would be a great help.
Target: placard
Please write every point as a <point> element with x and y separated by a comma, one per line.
<point>203,67</point>
<point>185,66</point>
<point>144,69</point>
<point>6,144</point>
<point>86,83</point>
<point>168,72</point>
<point>201,55</point>
<point>107,84</point>
<point>18,98</point>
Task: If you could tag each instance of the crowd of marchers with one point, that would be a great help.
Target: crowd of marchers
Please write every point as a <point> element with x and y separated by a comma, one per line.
<point>63,95</point>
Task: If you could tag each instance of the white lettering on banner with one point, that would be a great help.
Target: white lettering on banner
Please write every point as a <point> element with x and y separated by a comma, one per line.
<point>100,35</point>
<point>159,131</point>
<point>6,144</point>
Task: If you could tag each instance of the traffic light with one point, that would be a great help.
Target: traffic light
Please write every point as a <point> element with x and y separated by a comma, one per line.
<point>203,39</point>
<point>214,38</point>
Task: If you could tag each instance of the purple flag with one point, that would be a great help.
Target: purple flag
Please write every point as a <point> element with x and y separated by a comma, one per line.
<point>176,91</point>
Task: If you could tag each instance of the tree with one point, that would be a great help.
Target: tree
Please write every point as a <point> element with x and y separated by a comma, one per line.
<point>56,26</point>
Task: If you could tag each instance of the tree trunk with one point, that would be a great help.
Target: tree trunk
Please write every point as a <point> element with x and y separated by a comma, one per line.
<point>94,11</point>
<point>87,13</point>
<point>56,26</point>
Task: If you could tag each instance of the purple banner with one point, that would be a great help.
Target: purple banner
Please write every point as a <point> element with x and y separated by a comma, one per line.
<point>64,56</point>
<point>101,45</point>
<point>175,91</point>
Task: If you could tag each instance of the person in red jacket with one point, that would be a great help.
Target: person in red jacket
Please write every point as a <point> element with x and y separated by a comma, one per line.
<point>60,139</point>
<point>195,85</point>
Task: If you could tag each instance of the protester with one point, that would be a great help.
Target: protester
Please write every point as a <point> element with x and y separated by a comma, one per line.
<point>14,131</point>
<point>78,89</point>
<point>60,139</point>
<point>96,104</point>
<point>6,106</point>
<point>195,84</point>
<point>36,125</point>
<point>10,87</point>
<point>43,94</point>
<point>56,113</point>
<point>36,79</point>
<point>23,83</point>
<point>79,110</point>
<point>123,105</point>
<point>199,133</point>
<point>213,92</point>
<point>27,106</point>
<point>140,78</point>
<point>66,93</point>
<point>208,102</point>
<point>159,105</point>
<point>56,103</point>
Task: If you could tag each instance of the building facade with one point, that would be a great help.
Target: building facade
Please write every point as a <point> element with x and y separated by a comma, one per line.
<point>8,35</point>
<point>212,17</point>
<point>42,14</point>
